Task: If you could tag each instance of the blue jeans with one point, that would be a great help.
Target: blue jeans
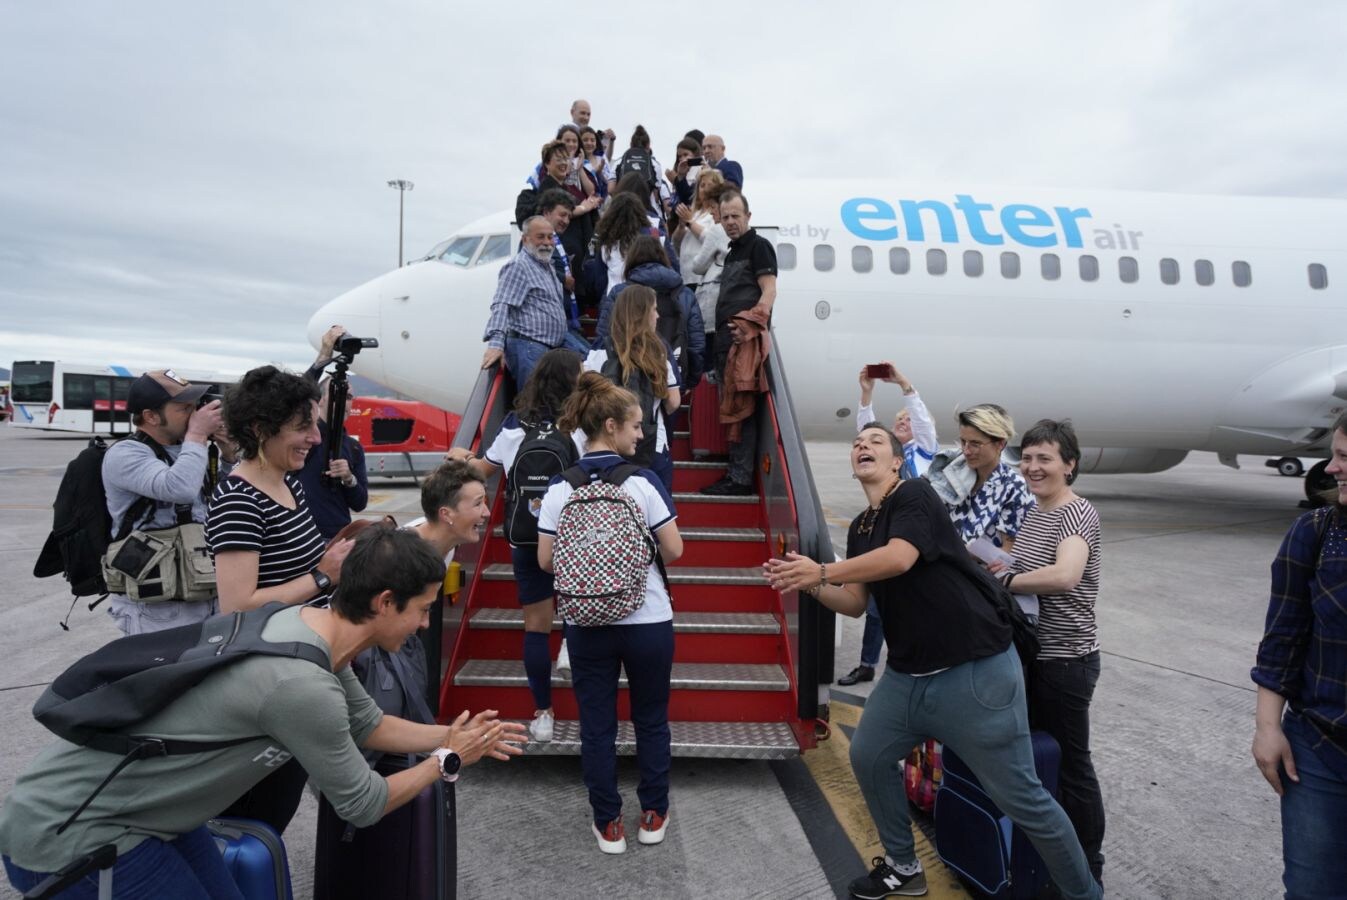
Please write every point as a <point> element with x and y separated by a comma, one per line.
<point>521,355</point>
<point>1314,816</point>
<point>597,657</point>
<point>662,465</point>
<point>1060,691</point>
<point>978,710</point>
<point>872,639</point>
<point>576,341</point>
<point>187,867</point>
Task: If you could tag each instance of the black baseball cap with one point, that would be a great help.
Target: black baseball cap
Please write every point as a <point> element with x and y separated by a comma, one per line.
<point>153,389</point>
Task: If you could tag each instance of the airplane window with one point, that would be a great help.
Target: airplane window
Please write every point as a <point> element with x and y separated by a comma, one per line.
<point>785,256</point>
<point>460,249</point>
<point>497,247</point>
<point>1204,272</point>
<point>900,261</point>
<point>1127,269</point>
<point>1010,265</point>
<point>936,263</point>
<point>1169,270</point>
<point>1052,267</point>
<point>1089,268</point>
<point>824,257</point>
<point>1318,276</point>
<point>972,263</point>
<point>862,259</point>
<point>1240,271</point>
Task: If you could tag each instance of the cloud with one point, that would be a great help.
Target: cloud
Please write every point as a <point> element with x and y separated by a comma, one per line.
<point>198,180</point>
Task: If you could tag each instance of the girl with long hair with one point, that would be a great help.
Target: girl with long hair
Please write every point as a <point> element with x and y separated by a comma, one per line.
<point>641,644</point>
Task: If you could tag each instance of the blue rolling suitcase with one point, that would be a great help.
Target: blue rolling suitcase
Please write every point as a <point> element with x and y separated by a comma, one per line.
<point>255,856</point>
<point>978,842</point>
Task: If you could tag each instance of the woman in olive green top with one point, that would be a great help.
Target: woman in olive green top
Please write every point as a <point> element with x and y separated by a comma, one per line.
<point>154,810</point>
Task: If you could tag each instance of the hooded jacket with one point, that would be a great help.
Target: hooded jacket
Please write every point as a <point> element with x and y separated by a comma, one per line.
<point>745,370</point>
<point>659,278</point>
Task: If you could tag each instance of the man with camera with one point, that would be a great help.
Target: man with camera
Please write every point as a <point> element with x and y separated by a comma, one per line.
<point>334,485</point>
<point>157,479</point>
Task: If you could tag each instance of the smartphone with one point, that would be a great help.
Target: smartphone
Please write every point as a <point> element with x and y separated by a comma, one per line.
<point>878,370</point>
<point>696,161</point>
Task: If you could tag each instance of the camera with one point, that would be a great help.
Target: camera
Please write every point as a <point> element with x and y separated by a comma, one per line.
<point>212,394</point>
<point>349,346</point>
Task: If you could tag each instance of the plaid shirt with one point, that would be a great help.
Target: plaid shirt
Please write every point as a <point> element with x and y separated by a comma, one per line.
<point>1303,656</point>
<point>528,303</point>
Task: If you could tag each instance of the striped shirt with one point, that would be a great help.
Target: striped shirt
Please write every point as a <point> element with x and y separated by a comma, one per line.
<point>1066,623</point>
<point>528,303</point>
<point>287,541</point>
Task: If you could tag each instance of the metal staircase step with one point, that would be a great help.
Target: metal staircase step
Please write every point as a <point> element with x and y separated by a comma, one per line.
<point>684,622</point>
<point>697,533</point>
<point>686,676</point>
<point>715,740</point>
<point>700,464</point>
<point>750,575</point>
<point>698,497</point>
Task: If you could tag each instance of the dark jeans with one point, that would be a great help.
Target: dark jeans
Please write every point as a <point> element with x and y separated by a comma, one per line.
<point>274,799</point>
<point>872,639</point>
<point>189,866</point>
<point>1314,821</point>
<point>1060,691</point>
<point>662,465</point>
<point>598,656</point>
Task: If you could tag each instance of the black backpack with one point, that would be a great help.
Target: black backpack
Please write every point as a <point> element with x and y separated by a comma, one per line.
<point>99,700</point>
<point>639,384</point>
<point>81,527</point>
<point>544,454</point>
<point>673,328</point>
<point>641,160</point>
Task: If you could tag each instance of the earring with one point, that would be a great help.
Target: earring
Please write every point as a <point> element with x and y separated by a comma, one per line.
<point>853,475</point>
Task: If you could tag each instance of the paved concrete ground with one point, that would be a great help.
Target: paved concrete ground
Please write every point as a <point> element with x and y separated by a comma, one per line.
<point>1184,591</point>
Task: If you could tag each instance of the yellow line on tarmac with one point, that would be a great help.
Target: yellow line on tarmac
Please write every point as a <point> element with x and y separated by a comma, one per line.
<point>830,764</point>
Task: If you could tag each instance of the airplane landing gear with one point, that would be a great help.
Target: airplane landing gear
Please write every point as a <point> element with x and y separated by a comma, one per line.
<point>1317,481</point>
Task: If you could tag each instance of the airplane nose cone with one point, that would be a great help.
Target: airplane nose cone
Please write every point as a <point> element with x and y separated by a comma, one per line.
<point>357,311</point>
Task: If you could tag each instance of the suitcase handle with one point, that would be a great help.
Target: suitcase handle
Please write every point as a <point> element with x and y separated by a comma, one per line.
<point>100,860</point>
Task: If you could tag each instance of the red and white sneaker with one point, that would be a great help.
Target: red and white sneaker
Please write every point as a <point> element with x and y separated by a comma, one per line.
<point>652,827</point>
<point>613,838</point>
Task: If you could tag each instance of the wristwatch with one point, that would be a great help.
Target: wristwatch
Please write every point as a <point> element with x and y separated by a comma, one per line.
<point>324,583</point>
<point>450,763</point>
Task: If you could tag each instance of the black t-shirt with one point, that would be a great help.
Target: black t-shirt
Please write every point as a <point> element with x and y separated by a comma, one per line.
<point>751,256</point>
<point>934,616</point>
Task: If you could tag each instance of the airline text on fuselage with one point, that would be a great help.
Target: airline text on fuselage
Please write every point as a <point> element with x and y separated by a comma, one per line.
<point>872,219</point>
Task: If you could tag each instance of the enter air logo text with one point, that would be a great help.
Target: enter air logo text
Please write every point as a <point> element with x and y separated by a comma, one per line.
<point>872,219</point>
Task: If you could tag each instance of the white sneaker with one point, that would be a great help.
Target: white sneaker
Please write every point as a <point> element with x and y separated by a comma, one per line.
<point>540,729</point>
<point>613,838</point>
<point>563,660</point>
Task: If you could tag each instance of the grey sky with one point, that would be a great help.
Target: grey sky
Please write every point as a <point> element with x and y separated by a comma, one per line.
<point>185,185</point>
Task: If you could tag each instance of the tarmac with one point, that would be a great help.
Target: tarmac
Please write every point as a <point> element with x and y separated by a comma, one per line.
<point>1184,593</point>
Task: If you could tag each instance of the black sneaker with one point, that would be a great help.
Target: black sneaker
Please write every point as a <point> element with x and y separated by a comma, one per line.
<point>884,881</point>
<point>857,675</point>
<point>726,487</point>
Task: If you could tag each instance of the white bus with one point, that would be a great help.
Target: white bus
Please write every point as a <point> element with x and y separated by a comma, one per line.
<point>90,399</point>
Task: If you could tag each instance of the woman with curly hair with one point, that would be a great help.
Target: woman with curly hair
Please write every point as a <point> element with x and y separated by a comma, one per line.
<point>267,547</point>
<point>623,221</point>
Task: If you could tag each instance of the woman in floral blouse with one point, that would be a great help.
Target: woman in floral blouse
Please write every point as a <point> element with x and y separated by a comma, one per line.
<point>997,504</point>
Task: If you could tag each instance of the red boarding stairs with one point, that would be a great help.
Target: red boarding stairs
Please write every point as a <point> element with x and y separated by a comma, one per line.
<point>748,662</point>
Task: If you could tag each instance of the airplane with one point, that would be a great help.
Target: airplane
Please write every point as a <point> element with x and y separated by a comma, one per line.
<point>1159,323</point>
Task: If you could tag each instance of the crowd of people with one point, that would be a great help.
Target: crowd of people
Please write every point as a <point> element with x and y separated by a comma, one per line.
<point>680,288</point>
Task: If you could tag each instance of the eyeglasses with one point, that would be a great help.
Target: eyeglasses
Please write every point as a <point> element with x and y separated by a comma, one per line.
<point>973,445</point>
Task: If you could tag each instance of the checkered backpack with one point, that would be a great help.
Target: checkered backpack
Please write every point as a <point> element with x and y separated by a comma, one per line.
<point>603,549</point>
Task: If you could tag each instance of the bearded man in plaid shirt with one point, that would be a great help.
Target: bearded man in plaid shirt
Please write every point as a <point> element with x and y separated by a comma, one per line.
<point>528,312</point>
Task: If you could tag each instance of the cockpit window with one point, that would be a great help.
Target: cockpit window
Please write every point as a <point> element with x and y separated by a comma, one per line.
<point>460,250</point>
<point>497,247</point>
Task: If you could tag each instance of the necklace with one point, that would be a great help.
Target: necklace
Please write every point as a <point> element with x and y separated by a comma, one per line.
<point>871,513</point>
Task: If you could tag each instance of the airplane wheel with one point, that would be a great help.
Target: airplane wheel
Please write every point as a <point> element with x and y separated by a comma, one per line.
<point>1317,481</point>
<point>1290,467</point>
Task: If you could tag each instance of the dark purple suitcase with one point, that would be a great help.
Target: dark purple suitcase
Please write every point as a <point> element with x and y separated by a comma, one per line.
<point>978,841</point>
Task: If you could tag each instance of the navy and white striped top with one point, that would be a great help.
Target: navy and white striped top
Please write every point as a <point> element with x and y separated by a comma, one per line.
<point>287,541</point>
<point>1066,622</point>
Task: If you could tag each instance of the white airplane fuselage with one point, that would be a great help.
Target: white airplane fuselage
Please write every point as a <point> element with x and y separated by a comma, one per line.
<point>1253,361</point>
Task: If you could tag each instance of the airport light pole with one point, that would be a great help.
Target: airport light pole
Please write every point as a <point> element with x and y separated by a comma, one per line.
<point>403,187</point>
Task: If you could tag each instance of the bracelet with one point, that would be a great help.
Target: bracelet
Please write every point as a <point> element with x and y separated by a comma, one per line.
<point>1008,579</point>
<point>822,574</point>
